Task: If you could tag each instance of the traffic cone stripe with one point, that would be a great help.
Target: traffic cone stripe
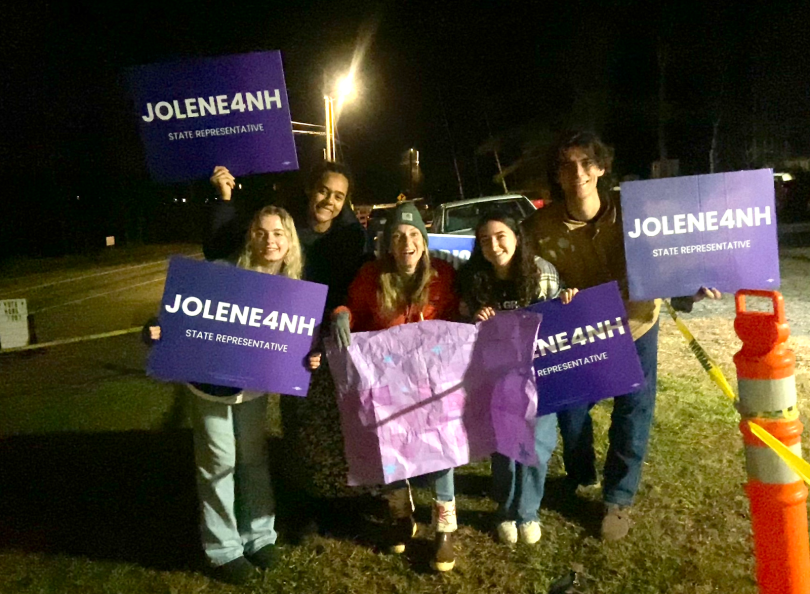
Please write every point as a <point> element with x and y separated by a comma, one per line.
<point>765,465</point>
<point>766,396</point>
<point>788,432</point>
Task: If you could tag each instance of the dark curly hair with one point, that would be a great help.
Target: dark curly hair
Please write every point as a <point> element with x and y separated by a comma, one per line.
<point>320,168</point>
<point>476,279</point>
<point>589,142</point>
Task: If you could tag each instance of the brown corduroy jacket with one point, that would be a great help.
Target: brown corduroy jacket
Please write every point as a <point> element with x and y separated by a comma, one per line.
<point>588,254</point>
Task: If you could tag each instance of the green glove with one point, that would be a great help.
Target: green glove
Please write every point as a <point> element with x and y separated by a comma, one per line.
<point>341,331</point>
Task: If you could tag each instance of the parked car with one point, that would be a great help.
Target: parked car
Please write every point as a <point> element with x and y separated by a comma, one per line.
<point>460,217</point>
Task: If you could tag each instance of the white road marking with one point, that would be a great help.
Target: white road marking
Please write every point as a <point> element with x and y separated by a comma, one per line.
<point>161,279</point>
<point>43,345</point>
<point>94,274</point>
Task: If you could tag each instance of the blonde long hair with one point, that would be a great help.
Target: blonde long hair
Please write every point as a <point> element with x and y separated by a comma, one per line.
<point>396,292</point>
<point>292,265</point>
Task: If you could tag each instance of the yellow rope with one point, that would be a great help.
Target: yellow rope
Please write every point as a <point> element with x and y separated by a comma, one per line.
<point>43,345</point>
<point>794,462</point>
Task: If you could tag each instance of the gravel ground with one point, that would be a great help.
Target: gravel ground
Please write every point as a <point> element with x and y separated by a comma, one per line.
<point>712,323</point>
<point>794,264</point>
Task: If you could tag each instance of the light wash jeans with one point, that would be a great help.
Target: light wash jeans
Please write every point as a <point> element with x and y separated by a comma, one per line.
<point>443,484</point>
<point>517,488</point>
<point>233,478</point>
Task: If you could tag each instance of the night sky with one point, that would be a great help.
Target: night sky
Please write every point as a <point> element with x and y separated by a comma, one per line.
<point>438,76</point>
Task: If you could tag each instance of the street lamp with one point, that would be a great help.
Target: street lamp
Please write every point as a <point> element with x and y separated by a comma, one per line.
<point>333,104</point>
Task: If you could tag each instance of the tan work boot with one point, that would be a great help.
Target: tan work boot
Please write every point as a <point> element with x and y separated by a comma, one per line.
<point>444,517</point>
<point>403,527</point>
<point>616,522</point>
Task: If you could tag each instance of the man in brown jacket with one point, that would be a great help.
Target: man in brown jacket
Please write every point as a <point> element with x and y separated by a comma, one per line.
<point>581,235</point>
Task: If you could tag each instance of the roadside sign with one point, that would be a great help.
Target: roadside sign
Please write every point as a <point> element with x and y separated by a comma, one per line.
<point>13,323</point>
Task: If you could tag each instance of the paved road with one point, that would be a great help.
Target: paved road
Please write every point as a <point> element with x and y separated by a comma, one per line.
<point>91,300</point>
<point>97,384</point>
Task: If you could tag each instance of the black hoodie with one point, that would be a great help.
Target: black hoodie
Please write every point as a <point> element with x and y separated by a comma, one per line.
<point>331,258</point>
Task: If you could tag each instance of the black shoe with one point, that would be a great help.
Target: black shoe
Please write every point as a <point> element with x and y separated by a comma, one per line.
<point>237,572</point>
<point>399,534</point>
<point>444,557</point>
<point>265,558</point>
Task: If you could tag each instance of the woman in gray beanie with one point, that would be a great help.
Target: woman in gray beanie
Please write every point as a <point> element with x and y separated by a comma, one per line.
<point>405,285</point>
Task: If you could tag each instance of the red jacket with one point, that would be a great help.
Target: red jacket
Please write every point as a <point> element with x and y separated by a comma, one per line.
<point>364,309</point>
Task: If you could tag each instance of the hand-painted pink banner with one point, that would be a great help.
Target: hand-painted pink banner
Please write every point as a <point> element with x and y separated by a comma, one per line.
<point>423,397</point>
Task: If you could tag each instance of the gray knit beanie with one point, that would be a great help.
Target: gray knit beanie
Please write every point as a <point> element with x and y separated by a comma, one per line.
<point>403,214</point>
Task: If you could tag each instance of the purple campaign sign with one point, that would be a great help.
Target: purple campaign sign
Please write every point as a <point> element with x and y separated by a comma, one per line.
<point>228,326</point>
<point>718,230</point>
<point>584,351</point>
<point>231,111</point>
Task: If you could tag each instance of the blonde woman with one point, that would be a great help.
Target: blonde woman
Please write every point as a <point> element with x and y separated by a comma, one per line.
<point>405,286</point>
<point>230,446</point>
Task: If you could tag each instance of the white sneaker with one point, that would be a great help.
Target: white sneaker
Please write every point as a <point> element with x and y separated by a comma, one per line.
<point>530,532</point>
<point>507,533</point>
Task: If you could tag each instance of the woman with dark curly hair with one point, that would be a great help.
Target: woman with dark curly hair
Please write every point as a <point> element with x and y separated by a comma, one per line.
<point>498,277</point>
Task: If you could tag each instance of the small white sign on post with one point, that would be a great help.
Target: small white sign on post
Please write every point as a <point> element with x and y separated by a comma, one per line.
<point>13,323</point>
<point>110,240</point>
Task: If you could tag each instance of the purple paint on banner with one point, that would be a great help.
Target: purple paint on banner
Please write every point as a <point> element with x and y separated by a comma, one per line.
<point>236,327</point>
<point>715,230</point>
<point>203,112</point>
<point>584,351</point>
<point>428,396</point>
<point>500,380</point>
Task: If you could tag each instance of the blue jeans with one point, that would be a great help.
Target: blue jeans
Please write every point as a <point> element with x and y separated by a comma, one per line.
<point>233,478</point>
<point>628,435</point>
<point>443,484</point>
<point>517,488</point>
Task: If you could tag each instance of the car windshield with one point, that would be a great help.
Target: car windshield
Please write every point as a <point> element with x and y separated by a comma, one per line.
<point>460,219</point>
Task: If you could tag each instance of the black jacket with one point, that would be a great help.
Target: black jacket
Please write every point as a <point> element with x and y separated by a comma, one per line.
<point>332,258</point>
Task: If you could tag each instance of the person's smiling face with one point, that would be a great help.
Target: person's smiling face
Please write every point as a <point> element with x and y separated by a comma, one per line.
<point>498,243</point>
<point>269,241</point>
<point>578,175</point>
<point>407,247</point>
<point>326,199</point>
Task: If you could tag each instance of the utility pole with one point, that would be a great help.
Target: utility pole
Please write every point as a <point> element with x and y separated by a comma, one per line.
<point>497,158</point>
<point>452,148</point>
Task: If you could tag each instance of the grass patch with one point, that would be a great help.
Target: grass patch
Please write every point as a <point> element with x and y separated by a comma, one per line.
<point>98,496</point>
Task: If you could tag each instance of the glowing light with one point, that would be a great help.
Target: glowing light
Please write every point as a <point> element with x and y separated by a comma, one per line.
<point>345,88</point>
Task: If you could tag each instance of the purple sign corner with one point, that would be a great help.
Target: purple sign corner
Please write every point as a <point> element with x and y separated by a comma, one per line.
<point>198,113</point>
